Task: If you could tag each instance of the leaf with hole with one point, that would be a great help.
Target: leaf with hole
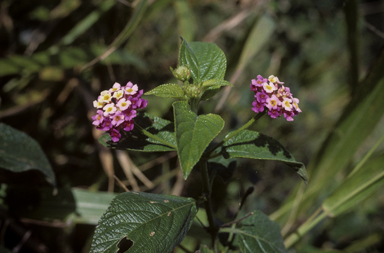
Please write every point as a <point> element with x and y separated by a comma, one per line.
<point>143,222</point>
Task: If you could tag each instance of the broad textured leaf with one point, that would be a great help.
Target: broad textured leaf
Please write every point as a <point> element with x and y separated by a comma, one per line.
<point>258,233</point>
<point>254,145</point>
<point>216,83</point>
<point>206,60</point>
<point>188,58</point>
<point>143,222</point>
<point>135,140</point>
<point>170,90</point>
<point>193,134</point>
<point>210,92</point>
<point>356,188</point>
<point>19,152</point>
<point>211,87</point>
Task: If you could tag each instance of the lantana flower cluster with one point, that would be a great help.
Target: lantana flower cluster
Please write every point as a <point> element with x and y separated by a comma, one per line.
<point>270,93</point>
<point>117,109</point>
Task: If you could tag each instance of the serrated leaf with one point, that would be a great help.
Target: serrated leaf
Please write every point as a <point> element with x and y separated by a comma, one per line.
<point>216,83</point>
<point>258,233</point>
<point>144,222</point>
<point>205,60</point>
<point>188,58</point>
<point>135,140</point>
<point>210,92</point>
<point>19,152</point>
<point>254,145</point>
<point>170,90</point>
<point>193,134</point>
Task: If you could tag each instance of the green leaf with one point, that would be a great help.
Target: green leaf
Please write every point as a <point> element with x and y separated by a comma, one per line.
<point>143,222</point>
<point>211,87</point>
<point>162,131</point>
<point>205,60</point>
<point>19,152</point>
<point>216,83</point>
<point>210,92</point>
<point>170,90</point>
<point>258,233</point>
<point>356,188</point>
<point>254,145</point>
<point>193,134</point>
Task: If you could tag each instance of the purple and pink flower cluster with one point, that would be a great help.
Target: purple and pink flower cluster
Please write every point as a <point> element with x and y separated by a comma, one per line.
<point>270,93</point>
<point>117,108</point>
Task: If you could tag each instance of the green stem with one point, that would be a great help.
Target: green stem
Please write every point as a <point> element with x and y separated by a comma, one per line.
<point>208,205</point>
<point>248,124</point>
<point>303,229</point>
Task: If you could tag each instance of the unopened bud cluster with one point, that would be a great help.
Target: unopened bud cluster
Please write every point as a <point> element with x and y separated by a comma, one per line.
<point>270,93</point>
<point>117,108</point>
<point>182,73</point>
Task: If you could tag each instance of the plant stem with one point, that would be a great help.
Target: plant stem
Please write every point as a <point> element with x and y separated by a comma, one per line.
<point>303,229</point>
<point>229,136</point>
<point>208,205</point>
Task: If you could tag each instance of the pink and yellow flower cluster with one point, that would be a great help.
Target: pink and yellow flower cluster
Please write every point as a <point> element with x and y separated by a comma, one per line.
<point>270,93</point>
<point>117,108</point>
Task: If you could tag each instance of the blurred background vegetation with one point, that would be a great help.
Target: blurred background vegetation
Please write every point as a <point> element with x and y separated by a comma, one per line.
<point>56,57</point>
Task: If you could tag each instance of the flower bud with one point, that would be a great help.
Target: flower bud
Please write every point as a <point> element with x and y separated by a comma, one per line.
<point>192,91</point>
<point>182,73</point>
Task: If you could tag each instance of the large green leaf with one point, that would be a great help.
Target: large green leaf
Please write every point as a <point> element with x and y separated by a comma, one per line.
<point>19,152</point>
<point>258,233</point>
<point>356,188</point>
<point>143,222</point>
<point>254,145</point>
<point>193,134</point>
<point>161,130</point>
<point>170,90</point>
<point>205,60</point>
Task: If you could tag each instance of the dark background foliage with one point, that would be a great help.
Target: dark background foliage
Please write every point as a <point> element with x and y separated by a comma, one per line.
<point>320,49</point>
